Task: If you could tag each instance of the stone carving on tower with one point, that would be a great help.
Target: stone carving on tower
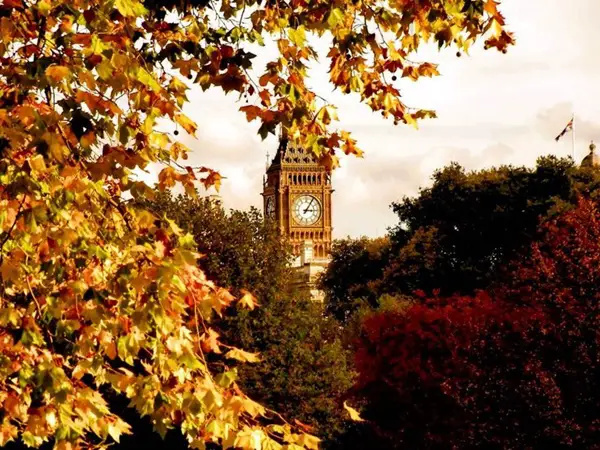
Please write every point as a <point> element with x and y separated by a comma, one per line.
<point>297,195</point>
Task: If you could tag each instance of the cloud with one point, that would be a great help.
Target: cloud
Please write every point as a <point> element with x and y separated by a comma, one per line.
<point>554,120</point>
<point>493,109</point>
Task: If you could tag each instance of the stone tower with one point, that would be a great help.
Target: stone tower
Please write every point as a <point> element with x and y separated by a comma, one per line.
<point>297,195</point>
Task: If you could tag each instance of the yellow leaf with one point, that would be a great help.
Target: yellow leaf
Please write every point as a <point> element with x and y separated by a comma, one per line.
<point>248,300</point>
<point>105,69</point>
<point>37,163</point>
<point>198,444</point>
<point>309,441</point>
<point>188,124</point>
<point>410,120</point>
<point>335,17</point>
<point>242,355</point>
<point>253,408</point>
<point>56,73</point>
<point>389,102</point>
<point>297,36</point>
<point>130,8</point>
<point>148,79</point>
<point>249,439</point>
<point>354,415</point>
<point>118,428</point>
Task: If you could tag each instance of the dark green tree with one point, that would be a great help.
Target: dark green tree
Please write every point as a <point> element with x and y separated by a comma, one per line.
<point>456,235</point>
<point>304,368</point>
<point>352,278</point>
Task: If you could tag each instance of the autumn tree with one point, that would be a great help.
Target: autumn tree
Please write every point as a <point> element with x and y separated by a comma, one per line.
<point>561,275</point>
<point>516,368</point>
<point>98,294</point>
<point>304,368</point>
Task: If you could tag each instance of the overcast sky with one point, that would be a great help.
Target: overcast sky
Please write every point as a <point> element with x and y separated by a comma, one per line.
<point>493,109</point>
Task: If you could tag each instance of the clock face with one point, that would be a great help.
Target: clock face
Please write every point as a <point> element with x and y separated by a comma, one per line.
<point>306,210</point>
<point>270,207</point>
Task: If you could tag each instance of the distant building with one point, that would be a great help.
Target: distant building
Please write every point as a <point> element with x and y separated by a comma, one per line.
<point>592,159</point>
<point>297,195</point>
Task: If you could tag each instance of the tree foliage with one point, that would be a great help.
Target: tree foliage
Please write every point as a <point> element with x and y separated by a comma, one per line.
<point>458,234</point>
<point>97,292</point>
<point>352,278</point>
<point>514,369</point>
<point>304,369</point>
<point>241,251</point>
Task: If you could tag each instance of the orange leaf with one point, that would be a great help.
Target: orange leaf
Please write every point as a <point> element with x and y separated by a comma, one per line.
<point>210,341</point>
<point>252,112</point>
<point>167,177</point>
<point>57,73</point>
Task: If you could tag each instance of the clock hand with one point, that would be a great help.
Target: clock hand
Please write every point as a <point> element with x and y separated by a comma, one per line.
<point>310,203</point>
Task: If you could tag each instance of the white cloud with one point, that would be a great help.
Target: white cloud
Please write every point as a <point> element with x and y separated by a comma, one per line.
<point>493,109</point>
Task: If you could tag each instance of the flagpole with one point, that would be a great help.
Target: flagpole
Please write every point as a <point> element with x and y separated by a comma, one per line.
<point>573,136</point>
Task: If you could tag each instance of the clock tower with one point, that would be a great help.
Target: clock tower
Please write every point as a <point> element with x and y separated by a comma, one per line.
<point>297,195</point>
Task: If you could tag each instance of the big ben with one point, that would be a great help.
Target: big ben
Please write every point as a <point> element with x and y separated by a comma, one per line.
<point>297,194</point>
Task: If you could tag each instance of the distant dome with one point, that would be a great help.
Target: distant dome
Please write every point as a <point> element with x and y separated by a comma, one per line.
<point>592,159</point>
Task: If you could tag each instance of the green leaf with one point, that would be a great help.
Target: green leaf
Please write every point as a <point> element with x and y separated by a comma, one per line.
<point>336,16</point>
<point>297,36</point>
<point>130,8</point>
<point>105,69</point>
<point>148,79</point>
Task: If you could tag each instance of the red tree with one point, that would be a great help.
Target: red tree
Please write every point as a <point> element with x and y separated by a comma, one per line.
<point>517,368</point>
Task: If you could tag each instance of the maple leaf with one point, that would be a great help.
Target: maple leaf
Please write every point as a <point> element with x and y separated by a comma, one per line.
<point>252,112</point>
<point>117,429</point>
<point>57,73</point>
<point>248,300</point>
<point>188,124</point>
<point>167,177</point>
<point>210,341</point>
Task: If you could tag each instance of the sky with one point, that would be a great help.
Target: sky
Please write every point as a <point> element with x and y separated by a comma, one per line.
<point>492,108</point>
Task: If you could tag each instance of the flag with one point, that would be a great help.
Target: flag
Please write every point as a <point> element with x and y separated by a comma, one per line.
<point>568,128</point>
